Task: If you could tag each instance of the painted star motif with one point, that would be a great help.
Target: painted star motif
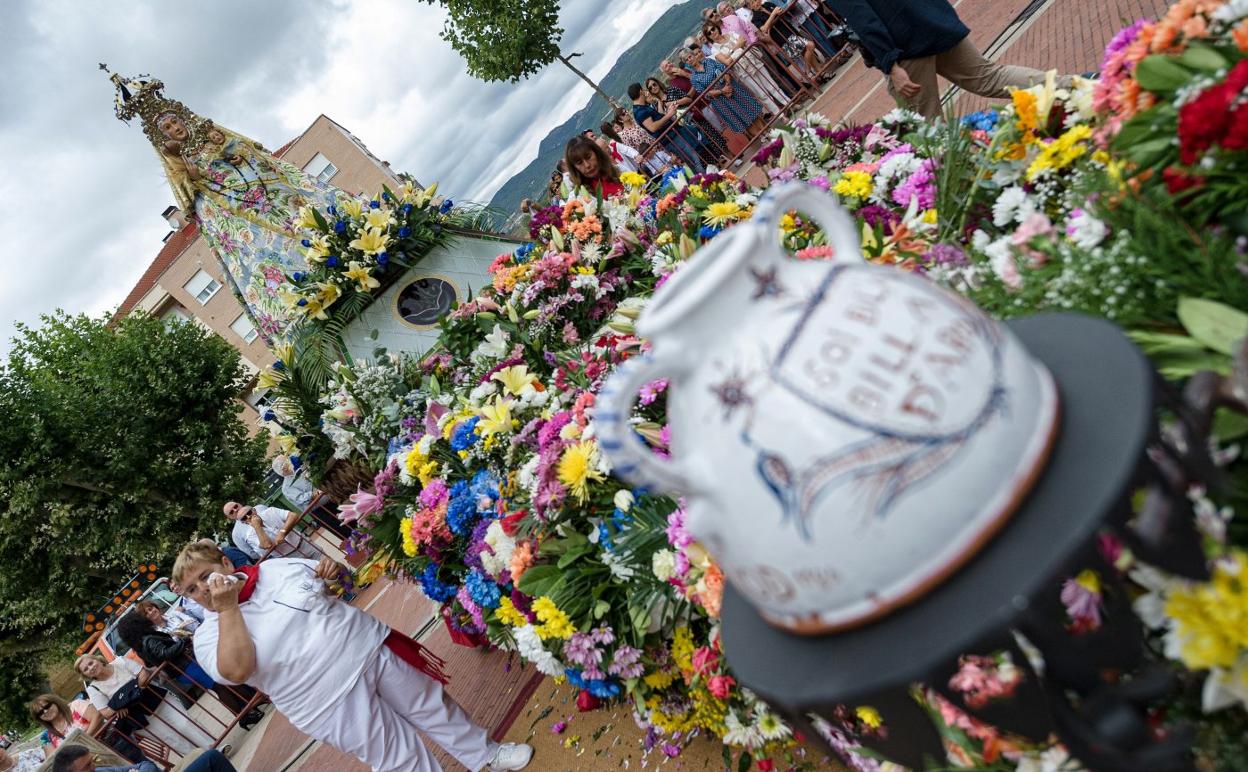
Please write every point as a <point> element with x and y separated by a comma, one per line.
<point>732,394</point>
<point>767,283</point>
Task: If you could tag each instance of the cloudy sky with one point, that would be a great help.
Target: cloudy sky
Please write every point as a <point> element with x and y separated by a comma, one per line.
<point>81,193</point>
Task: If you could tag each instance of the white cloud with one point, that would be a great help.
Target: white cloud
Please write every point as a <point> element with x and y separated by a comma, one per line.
<point>81,192</point>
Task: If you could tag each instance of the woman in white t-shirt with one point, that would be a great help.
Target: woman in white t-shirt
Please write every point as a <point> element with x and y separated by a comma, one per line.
<point>166,724</point>
<point>336,673</point>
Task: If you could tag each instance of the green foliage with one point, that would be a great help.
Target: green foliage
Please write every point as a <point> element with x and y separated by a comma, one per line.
<point>121,441</point>
<point>503,39</point>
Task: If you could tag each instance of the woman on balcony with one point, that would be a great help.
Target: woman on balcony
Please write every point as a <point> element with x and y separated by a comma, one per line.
<point>679,91</point>
<point>740,111</point>
<point>750,69</point>
<point>166,723</point>
<point>683,141</point>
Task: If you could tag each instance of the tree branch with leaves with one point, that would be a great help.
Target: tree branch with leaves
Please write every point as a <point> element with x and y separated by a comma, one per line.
<point>508,40</point>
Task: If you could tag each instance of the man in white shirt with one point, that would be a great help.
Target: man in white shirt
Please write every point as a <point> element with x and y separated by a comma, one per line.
<point>335,672</point>
<point>259,529</point>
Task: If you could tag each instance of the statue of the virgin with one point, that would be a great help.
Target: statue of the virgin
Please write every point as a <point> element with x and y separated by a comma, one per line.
<point>246,201</point>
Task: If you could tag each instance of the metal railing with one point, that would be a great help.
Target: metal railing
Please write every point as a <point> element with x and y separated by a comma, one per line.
<point>170,719</point>
<point>764,69</point>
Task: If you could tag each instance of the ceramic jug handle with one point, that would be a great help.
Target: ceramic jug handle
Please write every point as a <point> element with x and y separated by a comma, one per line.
<point>631,458</point>
<point>842,233</point>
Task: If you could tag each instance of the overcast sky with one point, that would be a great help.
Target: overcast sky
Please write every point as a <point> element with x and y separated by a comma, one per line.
<point>81,193</point>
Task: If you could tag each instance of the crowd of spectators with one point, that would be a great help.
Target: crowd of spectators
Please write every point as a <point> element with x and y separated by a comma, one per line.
<point>750,62</point>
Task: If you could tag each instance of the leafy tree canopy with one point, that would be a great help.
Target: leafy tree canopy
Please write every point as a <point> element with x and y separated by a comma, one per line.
<point>120,441</point>
<point>503,39</point>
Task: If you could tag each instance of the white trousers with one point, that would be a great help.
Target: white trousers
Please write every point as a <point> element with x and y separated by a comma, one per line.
<point>378,719</point>
<point>173,728</point>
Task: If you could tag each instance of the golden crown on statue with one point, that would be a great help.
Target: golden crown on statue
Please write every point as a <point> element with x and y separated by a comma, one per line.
<point>143,96</point>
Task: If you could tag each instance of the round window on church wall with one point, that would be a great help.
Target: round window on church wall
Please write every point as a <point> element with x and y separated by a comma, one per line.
<point>424,301</point>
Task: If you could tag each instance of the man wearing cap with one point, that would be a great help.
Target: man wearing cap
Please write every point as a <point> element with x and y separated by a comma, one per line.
<point>914,41</point>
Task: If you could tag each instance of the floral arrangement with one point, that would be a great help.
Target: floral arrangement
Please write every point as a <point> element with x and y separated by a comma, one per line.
<point>491,492</point>
<point>353,243</point>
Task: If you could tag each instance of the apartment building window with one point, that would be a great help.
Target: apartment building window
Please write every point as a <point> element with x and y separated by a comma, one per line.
<point>321,168</point>
<point>202,286</point>
<point>244,329</point>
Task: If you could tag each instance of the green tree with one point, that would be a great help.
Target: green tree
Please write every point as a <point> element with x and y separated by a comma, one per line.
<point>508,39</point>
<point>121,440</point>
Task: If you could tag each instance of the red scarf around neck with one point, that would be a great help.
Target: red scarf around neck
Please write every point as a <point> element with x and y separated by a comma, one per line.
<point>405,647</point>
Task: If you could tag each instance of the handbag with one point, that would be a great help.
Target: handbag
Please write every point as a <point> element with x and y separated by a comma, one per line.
<point>139,702</point>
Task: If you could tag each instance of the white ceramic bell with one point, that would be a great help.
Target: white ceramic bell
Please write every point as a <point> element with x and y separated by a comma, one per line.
<point>845,434</point>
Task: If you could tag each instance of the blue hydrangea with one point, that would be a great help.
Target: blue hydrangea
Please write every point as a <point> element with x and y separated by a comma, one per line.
<point>605,537</point>
<point>465,435</point>
<point>461,510</point>
<point>984,120</point>
<point>708,232</point>
<point>523,251</point>
<point>672,174</point>
<point>484,485</point>
<point>484,592</point>
<point>434,588</point>
<point>602,688</point>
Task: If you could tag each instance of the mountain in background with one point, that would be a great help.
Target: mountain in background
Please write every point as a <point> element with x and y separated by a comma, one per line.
<point>634,65</point>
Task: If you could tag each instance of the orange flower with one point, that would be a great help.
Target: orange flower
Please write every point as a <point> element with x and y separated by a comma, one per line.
<point>1028,118</point>
<point>521,559</point>
<point>712,597</point>
<point>1240,34</point>
<point>1142,44</point>
<point>1195,27</point>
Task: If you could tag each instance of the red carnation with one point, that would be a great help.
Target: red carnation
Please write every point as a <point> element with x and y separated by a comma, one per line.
<point>1203,122</point>
<point>586,702</point>
<point>1178,180</point>
<point>1237,133</point>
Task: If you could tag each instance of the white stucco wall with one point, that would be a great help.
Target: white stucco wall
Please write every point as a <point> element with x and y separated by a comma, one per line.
<point>463,264</point>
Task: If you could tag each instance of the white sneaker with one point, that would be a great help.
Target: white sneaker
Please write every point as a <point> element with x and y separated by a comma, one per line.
<point>511,756</point>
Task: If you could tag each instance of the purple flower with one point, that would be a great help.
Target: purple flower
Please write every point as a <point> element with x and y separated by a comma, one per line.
<point>603,635</point>
<point>921,186</point>
<point>581,650</point>
<point>768,151</point>
<point>1082,598</point>
<point>677,536</point>
<point>946,255</point>
<point>383,483</point>
<point>879,217</point>
<point>626,663</point>
<point>670,750</point>
<point>1122,40</point>
<point>651,391</point>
